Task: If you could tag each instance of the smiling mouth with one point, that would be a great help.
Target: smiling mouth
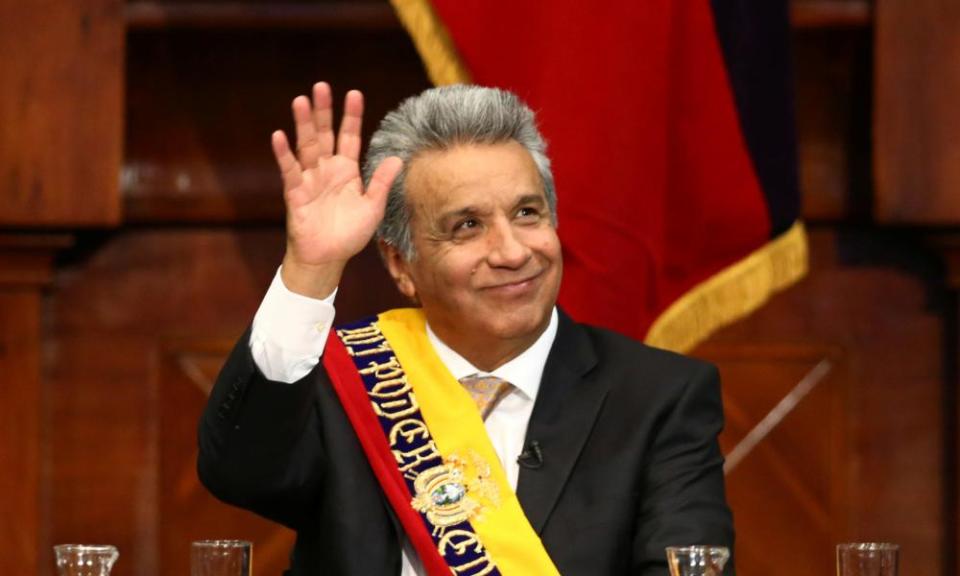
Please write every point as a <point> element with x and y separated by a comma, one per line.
<point>516,285</point>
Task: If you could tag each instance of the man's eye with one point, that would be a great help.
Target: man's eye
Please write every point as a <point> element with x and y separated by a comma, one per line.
<point>466,224</point>
<point>527,212</point>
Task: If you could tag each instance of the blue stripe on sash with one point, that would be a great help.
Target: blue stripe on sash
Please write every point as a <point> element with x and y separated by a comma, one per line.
<point>410,441</point>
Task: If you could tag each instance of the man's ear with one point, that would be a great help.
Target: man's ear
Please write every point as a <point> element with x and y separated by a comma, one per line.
<point>398,268</point>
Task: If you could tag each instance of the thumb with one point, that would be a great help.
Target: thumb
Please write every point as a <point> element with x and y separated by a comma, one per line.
<point>383,178</point>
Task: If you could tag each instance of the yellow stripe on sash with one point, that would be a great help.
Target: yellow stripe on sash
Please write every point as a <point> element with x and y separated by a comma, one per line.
<point>458,431</point>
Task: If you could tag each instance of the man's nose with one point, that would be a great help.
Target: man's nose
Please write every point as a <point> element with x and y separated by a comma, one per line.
<point>507,248</point>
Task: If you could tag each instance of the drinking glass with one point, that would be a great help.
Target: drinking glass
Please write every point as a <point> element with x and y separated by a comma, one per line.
<point>220,558</point>
<point>697,560</point>
<point>867,559</point>
<point>85,559</point>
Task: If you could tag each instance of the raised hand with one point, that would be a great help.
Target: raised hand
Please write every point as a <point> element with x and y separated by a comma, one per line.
<point>330,217</point>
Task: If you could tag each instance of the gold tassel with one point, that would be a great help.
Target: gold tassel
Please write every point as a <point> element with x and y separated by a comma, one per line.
<point>433,42</point>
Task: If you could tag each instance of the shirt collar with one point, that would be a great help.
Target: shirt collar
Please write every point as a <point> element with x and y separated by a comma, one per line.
<point>524,371</point>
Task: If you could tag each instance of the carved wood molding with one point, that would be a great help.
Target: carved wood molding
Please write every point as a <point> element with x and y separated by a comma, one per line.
<point>26,260</point>
<point>831,13</point>
<point>948,245</point>
<point>26,267</point>
<point>299,15</point>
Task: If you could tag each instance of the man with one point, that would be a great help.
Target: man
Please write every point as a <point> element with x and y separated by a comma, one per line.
<point>485,432</point>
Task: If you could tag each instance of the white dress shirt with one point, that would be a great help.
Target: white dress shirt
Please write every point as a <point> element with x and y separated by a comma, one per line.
<point>288,336</point>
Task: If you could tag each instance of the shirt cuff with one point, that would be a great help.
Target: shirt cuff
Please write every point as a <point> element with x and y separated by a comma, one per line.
<point>289,332</point>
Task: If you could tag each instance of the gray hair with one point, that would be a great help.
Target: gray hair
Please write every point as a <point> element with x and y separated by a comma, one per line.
<point>442,118</point>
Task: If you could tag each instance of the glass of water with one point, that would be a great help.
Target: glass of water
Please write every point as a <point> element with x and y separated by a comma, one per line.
<point>867,559</point>
<point>697,560</point>
<point>85,559</point>
<point>220,558</point>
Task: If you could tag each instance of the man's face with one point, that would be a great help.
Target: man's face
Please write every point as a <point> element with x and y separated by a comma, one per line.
<point>488,263</point>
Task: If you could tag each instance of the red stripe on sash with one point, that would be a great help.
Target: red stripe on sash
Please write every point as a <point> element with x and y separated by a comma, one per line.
<point>353,396</point>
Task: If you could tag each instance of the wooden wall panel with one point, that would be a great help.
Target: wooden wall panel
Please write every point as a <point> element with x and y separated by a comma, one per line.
<point>948,245</point>
<point>785,454</point>
<point>61,66</point>
<point>832,83</point>
<point>207,158</point>
<point>186,511</point>
<point>917,120</point>
<point>871,297</point>
<point>25,271</point>
<point>20,420</point>
<point>121,303</point>
<point>115,304</point>
<point>122,298</point>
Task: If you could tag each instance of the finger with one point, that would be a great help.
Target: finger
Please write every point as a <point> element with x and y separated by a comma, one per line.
<point>348,141</point>
<point>286,161</point>
<point>323,117</point>
<point>308,145</point>
<point>382,179</point>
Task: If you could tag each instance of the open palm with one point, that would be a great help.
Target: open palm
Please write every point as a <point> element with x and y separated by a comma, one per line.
<point>330,216</point>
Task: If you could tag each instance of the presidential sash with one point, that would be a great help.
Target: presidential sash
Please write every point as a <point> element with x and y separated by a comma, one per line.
<point>428,448</point>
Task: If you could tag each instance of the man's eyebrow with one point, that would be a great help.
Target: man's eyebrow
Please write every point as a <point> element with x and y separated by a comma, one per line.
<point>537,199</point>
<point>457,213</point>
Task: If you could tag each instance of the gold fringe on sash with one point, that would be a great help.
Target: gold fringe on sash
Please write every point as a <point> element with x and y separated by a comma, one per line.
<point>733,293</point>
<point>433,42</point>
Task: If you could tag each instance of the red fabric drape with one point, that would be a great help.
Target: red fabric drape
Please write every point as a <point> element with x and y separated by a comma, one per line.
<point>656,189</point>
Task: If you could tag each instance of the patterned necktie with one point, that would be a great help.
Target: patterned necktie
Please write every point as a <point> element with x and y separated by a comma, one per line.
<point>486,391</point>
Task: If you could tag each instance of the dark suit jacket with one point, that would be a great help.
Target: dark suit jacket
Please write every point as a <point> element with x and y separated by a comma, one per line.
<point>628,436</point>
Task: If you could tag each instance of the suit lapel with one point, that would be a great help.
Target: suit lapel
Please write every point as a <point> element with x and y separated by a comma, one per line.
<point>566,408</point>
